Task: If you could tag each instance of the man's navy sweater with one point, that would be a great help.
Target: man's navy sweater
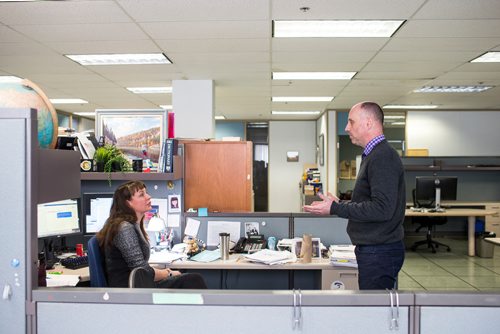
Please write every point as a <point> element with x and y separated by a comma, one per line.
<point>377,209</point>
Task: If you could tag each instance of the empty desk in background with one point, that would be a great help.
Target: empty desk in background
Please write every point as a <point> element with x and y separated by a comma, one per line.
<point>471,215</point>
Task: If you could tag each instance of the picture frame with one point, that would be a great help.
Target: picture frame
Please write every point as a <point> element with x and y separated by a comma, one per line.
<point>316,247</point>
<point>321,149</point>
<point>139,134</point>
<point>174,203</point>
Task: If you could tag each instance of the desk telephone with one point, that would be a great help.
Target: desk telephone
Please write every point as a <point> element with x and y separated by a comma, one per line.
<point>252,243</point>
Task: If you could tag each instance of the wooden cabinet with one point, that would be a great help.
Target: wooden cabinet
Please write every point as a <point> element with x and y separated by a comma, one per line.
<point>218,176</point>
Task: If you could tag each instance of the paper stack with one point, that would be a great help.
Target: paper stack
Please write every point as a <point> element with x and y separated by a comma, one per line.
<point>270,257</point>
<point>343,256</point>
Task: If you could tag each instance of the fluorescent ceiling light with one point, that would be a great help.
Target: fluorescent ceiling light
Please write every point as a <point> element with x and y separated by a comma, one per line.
<point>120,59</point>
<point>398,123</point>
<point>313,75</point>
<point>150,90</point>
<point>336,28</point>
<point>166,106</point>
<point>303,112</point>
<point>302,98</point>
<point>220,117</point>
<point>410,106</point>
<point>388,117</point>
<point>9,78</point>
<point>452,89</point>
<point>86,113</point>
<point>488,57</point>
<point>68,101</point>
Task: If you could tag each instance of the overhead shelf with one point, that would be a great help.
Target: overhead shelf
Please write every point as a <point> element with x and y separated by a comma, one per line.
<point>132,176</point>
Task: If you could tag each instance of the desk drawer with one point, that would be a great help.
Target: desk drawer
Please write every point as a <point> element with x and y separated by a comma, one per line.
<point>493,227</point>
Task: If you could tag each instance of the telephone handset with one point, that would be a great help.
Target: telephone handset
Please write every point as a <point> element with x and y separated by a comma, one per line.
<point>252,243</point>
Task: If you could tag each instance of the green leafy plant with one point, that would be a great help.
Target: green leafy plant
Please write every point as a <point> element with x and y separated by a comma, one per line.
<point>109,158</point>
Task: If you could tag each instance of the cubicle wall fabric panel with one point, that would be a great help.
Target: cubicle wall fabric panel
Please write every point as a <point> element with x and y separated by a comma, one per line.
<point>454,133</point>
<point>220,319</point>
<point>13,222</point>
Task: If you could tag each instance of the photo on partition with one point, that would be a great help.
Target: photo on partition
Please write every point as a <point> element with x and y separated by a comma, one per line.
<point>251,229</point>
<point>137,133</point>
<point>174,203</point>
<point>316,247</point>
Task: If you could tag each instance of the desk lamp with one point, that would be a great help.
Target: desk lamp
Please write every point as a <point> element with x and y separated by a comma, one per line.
<point>157,225</point>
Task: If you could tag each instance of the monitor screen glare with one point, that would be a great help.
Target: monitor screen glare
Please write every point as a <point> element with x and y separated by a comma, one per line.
<point>58,218</point>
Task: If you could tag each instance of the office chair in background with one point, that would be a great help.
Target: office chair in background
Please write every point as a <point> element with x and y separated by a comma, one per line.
<point>429,223</point>
<point>96,267</point>
<point>141,278</point>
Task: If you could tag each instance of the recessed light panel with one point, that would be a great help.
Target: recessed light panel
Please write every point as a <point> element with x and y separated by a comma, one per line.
<point>336,28</point>
<point>452,89</point>
<point>68,101</point>
<point>488,57</point>
<point>302,112</point>
<point>302,98</point>
<point>410,106</point>
<point>150,90</point>
<point>313,75</point>
<point>121,59</point>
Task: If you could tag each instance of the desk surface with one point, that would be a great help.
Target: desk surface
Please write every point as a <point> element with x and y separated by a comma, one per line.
<point>495,241</point>
<point>82,272</point>
<point>238,262</point>
<point>454,212</point>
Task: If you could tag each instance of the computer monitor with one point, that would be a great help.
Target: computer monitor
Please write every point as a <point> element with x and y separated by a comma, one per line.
<point>59,218</point>
<point>56,219</point>
<point>431,190</point>
<point>95,211</point>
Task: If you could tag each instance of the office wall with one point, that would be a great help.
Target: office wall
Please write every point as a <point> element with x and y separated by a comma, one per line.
<point>229,129</point>
<point>454,133</point>
<point>284,177</point>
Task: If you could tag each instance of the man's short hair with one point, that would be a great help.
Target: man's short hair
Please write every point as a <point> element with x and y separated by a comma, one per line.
<point>374,109</point>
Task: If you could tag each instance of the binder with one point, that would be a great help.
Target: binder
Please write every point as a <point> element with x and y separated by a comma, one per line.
<point>171,146</point>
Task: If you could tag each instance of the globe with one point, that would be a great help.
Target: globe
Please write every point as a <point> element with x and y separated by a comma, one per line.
<point>23,93</point>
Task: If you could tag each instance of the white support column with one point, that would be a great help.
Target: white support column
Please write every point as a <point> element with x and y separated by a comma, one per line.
<point>193,106</point>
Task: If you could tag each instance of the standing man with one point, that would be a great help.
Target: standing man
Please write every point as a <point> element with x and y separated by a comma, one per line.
<point>377,209</point>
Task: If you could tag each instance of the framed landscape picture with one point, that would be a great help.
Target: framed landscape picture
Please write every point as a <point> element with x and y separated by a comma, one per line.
<point>139,134</point>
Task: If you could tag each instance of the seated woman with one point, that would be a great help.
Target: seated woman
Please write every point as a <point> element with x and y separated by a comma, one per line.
<point>125,242</point>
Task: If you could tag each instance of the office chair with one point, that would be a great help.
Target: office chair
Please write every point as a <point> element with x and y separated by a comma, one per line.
<point>140,278</point>
<point>429,223</point>
<point>96,264</point>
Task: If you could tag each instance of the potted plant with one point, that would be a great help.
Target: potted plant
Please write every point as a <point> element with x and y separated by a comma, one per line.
<point>109,158</point>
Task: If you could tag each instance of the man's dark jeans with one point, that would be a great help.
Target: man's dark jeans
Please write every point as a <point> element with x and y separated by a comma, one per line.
<point>379,265</point>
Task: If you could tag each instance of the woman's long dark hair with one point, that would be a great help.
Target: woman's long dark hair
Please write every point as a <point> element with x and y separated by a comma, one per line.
<point>120,212</point>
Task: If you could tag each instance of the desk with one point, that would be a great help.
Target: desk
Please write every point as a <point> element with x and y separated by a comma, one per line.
<point>82,272</point>
<point>471,215</point>
<point>328,273</point>
<point>495,241</point>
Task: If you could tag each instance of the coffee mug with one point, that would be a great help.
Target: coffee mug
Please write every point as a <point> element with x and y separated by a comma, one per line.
<point>137,165</point>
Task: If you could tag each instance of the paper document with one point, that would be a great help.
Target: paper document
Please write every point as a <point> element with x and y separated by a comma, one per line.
<point>343,256</point>
<point>271,257</point>
<point>206,256</point>
<point>62,280</point>
<point>166,257</point>
<point>216,227</point>
<point>192,227</point>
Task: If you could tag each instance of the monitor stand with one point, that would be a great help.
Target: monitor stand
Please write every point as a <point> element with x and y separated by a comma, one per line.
<point>48,252</point>
<point>438,207</point>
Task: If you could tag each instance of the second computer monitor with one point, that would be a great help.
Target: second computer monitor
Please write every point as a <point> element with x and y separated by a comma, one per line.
<point>426,186</point>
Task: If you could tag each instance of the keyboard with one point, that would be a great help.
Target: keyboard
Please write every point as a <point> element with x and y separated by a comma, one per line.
<point>75,262</point>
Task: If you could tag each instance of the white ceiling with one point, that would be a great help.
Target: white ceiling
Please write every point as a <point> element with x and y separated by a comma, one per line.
<point>230,41</point>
